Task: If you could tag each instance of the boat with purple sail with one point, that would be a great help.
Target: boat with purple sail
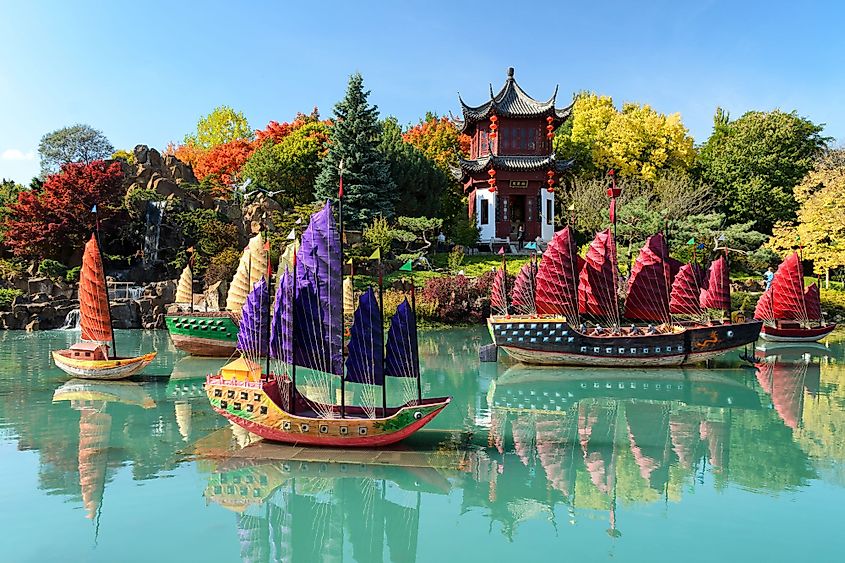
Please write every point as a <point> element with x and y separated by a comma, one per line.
<point>308,364</point>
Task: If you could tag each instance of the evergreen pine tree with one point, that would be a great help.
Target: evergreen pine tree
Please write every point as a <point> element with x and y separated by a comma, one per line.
<point>368,189</point>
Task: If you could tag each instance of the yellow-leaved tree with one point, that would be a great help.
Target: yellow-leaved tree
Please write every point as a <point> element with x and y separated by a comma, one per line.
<point>637,141</point>
<point>819,228</point>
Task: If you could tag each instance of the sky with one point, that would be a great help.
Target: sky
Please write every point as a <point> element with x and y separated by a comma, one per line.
<point>145,72</point>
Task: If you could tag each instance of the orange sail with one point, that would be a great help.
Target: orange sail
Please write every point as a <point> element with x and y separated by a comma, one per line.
<point>94,315</point>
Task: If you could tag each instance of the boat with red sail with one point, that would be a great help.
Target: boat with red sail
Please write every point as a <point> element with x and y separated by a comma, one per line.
<point>95,356</point>
<point>308,364</point>
<point>789,311</point>
<point>550,326</point>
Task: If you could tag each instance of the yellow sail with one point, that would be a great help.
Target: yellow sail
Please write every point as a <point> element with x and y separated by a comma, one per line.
<point>184,289</point>
<point>348,297</point>
<point>286,260</point>
<point>252,266</point>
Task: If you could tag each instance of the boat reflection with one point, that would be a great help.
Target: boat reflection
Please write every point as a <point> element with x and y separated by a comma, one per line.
<point>585,431</point>
<point>290,510</point>
<point>91,398</point>
<point>785,377</point>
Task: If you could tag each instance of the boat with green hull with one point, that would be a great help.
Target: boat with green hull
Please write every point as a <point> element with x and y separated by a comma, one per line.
<point>215,333</point>
<point>204,334</point>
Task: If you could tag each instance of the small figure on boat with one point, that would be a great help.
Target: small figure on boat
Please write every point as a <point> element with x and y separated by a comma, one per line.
<point>634,330</point>
<point>598,330</point>
<point>651,329</point>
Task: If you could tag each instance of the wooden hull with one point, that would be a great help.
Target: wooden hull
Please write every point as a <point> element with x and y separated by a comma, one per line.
<point>775,334</point>
<point>204,334</point>
<point>552,341</point>
<point>117,368</point>
<point>250,406</point>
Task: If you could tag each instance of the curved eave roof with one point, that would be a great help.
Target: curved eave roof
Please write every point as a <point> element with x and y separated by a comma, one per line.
<point>511,101</point>
<point>510,163</point>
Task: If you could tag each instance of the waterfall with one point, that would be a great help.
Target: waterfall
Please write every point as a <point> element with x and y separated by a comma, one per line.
<point>72,320</point>
<point>155,212</point>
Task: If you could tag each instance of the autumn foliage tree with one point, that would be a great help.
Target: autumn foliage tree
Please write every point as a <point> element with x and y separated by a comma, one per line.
<point>55,222</point>
<point>819,228</point>
<point>637,141</point>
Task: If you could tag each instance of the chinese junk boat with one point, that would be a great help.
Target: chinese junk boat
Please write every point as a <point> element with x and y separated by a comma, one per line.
<point>544,319</point>
<point>91,359</point>
<point>293,401</point>
<point>215,333</point>
<point>791,313</point>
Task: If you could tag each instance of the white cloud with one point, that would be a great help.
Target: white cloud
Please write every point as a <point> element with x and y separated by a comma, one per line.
<point>17,154</point>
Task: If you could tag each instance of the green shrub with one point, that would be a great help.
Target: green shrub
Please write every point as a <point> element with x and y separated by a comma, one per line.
<point>456,258</point>
<point>7,296</point>
<point>11,268</point>
<point>52,269</point>
<point>466,232</point>
<point>72,275</point>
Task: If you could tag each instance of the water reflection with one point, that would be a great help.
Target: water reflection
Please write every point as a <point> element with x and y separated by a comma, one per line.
<point>524,457</point>
<point>91,399</point>
<point>308,511</point>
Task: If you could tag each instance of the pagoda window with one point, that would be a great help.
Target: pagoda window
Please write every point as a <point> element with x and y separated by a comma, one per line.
<point>485,211</point>
<point>483,149</point>
<point>549,212</point>
<point>532,139</point>
<point>531,210</point>
<point>520,138</point>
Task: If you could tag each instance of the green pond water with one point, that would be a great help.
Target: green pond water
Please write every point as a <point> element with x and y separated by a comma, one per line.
<point>730,463</point>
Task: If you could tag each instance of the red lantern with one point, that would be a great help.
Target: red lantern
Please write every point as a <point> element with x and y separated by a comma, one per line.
<point>550,190</point>
<point>550,173</point>
<point>550,182</point>
<point>549,119</point>
<point>491,173</point>
<point>613,192</point>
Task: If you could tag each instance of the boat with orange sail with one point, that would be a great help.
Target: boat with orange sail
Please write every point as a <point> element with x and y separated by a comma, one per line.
<point>789,311</point>
<point>95,356</point>
<point>308,364</point>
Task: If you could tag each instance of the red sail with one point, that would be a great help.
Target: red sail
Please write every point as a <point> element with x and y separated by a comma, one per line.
<point>596,283</point>
<point>763,310</point>
<point>498,297</point>
<point>557,276</point>
<point>94,316</point>
<point>648,286</point>
<point>812,301</point>
<point>788,290</point>
<point>686,289</point>
<point>522,296</point>
<point>717,295</point>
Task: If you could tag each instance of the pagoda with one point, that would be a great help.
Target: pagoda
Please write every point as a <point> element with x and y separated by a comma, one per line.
<point>512,171</point>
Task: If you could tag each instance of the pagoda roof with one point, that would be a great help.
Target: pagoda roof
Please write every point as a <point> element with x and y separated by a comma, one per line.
<point>513,163</point>
<point>511,101</point>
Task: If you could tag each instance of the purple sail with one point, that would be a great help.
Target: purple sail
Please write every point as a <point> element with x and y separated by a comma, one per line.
<point>310,349</point>
<point>319,265</point>
<point>281,335</point>
<point>402,353</point>
<point>365,362</point>
<point>253,332</point>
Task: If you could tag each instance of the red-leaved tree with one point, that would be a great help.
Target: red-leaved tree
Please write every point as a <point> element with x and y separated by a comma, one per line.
<point>56,221</point>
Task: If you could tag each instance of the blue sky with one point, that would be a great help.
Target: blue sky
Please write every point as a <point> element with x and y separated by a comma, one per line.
<point>144,72</point>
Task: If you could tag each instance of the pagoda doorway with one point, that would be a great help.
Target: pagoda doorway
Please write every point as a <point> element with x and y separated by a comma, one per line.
<point>517,205</point>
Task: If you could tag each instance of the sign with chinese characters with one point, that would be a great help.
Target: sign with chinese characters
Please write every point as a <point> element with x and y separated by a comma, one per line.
<point>519,183</point>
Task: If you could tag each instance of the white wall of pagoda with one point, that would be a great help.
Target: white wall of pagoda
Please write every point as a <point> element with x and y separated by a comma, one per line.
<point>547,215</point>
<point>486,220</point>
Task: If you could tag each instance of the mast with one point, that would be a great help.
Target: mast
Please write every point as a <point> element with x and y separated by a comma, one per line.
<point>292,389</point>
<point>340,225</point>
<point>613,192</point>
<point>416,343</point>
<point>105,283</point>
<point>381,320</point>
<point>269,285</point>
